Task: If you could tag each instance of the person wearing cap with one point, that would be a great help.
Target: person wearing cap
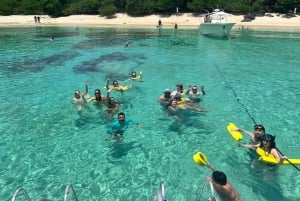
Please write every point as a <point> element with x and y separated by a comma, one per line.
<point>165,98</point>
<point>257,135</point>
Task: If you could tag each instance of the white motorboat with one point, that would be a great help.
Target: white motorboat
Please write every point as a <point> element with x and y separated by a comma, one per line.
<point>215,24</point>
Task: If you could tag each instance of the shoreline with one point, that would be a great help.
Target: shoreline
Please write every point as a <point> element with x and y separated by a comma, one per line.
<point>186,21</point>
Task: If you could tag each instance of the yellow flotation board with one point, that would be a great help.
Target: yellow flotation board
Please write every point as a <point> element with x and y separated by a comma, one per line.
<point>137,78</point>
<point>236,135</point>
<point>269,158</point>
<point>118,88</point>
<point>200,158</point>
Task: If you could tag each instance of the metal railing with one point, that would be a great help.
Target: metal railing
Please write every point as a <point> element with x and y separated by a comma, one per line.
<point>18,191</point>
<point>68,189</point>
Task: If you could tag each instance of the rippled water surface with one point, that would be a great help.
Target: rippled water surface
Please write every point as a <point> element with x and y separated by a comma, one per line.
<point>46,144</point>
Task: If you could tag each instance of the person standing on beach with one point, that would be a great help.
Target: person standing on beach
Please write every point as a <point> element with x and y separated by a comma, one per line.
<point>159,23</point>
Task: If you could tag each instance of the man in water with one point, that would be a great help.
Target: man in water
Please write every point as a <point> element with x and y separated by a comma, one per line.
<point>118,127</point>
<point>222,186</point>
<point>257,135</point>
<point>79,99</point>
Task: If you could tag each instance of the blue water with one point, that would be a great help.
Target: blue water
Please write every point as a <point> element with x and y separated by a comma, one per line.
<point>45,144</point>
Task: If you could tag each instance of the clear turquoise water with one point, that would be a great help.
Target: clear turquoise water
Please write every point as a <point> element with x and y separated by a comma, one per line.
<point>45,144</point>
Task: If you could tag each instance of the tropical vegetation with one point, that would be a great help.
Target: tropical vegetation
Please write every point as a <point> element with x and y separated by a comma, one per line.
<point>56,8</point>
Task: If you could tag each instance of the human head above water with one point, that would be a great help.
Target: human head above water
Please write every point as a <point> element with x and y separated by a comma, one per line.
<point>97,91</point>
<point>133,74</point>
<point>259,127</point>
<point>268,138</point>
<point>167,92</point>
<point>121,115</point>
<point>115,83</point>
<point>177,97</point>
<point>219,178</point>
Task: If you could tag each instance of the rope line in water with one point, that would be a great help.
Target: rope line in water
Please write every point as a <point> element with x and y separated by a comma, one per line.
<point>235,94</point>
<point>238,100</point>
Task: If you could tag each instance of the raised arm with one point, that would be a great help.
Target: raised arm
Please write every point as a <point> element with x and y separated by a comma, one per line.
<point>107,84</point>
<point>86,88</point>
<point>245,131</point>
<point>210,167</point>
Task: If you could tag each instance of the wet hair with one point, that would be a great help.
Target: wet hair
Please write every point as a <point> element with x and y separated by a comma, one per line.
<point>97,91</point>
<point>177,97</point>
<point>170,103</point>
<point>269,138</point>
<point>219,177</point>
<point>115,82</point>
<point>121,113</point>
<point>180,86</point>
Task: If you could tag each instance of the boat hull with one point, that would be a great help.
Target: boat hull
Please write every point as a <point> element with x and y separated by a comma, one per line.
<point>216,29</point>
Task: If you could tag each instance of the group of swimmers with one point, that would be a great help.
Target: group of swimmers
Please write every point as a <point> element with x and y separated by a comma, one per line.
<point>174,102</point>
<point>259,139</point>
<point>182,99</point>
<point>112,106</point>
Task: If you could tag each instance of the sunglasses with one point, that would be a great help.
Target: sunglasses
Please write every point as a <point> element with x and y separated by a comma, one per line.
<point>258,127</point>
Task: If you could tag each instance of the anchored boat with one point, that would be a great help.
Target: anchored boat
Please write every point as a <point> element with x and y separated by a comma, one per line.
<point>215,24</point>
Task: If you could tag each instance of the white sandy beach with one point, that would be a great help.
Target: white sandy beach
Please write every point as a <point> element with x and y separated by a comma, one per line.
<point>122,20</point>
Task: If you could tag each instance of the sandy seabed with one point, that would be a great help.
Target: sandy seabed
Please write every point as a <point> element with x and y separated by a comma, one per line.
<point>186,20</point>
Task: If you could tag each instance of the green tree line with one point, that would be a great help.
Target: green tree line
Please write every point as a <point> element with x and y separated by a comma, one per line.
<point>56,8</point>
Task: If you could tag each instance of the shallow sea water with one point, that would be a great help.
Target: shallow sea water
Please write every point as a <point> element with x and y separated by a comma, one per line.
<point>45,144</point>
